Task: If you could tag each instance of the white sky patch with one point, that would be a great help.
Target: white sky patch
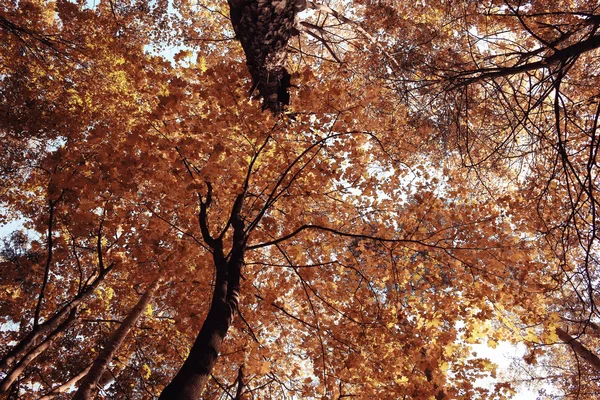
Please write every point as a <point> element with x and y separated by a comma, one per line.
<point>10,227</point>
<point>505,356</point>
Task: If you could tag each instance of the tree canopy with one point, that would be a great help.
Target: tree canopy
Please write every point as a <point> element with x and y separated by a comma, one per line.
<point>424,179</point>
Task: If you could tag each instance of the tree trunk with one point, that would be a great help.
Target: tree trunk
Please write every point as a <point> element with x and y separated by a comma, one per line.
<point>579,349</point>
<point>195,372</point>
<point>89,383</point>
<point>65,386</point>
<point>33,353</point>
<point>240,384</point>
<point>51,324</point>
<point>264,29</point>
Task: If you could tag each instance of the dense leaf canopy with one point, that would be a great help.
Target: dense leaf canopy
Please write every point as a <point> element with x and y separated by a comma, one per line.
<point>430,186</point>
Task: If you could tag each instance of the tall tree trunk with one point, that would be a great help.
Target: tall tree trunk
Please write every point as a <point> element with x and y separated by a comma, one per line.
<point>33,353</point>
<point>579,349</point>
<point>240,384</point>
<point>264,29</point>
<point>89,383</point>
<point>65,386</point>
<point>51,324</point>
<point>195,372</point>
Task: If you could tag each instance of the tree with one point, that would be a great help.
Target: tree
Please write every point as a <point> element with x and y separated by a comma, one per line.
<point>264,30</point>
<point>357,253</point>
<point>92,378</point>
<point>504,86</point>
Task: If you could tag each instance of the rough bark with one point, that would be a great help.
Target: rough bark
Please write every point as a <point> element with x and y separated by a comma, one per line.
<point>579,349</point>
<point>51,324</point>
<point>264,28</point>
<point>34,352</point>
<point>89,383</point>
<point>195,372</point>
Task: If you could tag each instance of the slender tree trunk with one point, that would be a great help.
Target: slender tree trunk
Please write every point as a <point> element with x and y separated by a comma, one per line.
<point>51,324</point>
<point>579,349</point>
<point>240,384</point>
<point>195,372</point>
<point>38,307</point>
<point>65,386</point>
<point>33,353</point>
<point>89,383</point>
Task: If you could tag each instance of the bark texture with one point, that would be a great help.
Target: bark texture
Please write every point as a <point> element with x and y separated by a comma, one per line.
<point>579,349</point>
<point>195,372</point>
<point>89,383</point>
<point>264,28</point>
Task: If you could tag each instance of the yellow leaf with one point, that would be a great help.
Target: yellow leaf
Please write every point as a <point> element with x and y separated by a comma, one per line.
<point>146,372</point>
<point>444,366</point>
<point>149,311</point>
